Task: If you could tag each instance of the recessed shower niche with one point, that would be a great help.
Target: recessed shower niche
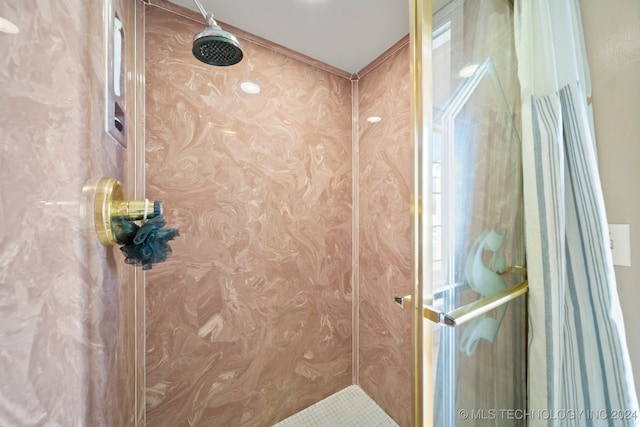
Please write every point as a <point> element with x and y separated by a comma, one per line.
<point>115,85</point>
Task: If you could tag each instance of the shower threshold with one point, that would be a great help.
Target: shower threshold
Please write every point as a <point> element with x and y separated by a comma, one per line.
<point>350,407</point>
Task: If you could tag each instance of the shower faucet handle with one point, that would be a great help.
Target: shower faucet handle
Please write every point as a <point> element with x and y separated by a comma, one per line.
<point>134,210</point>
<point>110,204</point>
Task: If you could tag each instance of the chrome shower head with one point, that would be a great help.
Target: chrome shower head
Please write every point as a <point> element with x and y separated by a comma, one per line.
<point>213,45</point>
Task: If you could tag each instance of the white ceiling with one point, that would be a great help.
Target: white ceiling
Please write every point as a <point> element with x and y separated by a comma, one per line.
<point>347,34</point>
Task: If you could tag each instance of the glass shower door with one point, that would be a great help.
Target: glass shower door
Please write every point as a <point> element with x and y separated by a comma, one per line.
<point>475,301</point>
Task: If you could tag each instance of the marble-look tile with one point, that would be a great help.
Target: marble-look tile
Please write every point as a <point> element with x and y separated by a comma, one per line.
<point>385,235</point>
<point>66,353</point>
<point>250,319</point>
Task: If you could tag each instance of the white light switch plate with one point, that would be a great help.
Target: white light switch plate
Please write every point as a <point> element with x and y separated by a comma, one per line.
<point>620,242</point>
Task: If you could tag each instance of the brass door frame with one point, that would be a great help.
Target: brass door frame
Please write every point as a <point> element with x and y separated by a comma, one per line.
<point>421,28</point>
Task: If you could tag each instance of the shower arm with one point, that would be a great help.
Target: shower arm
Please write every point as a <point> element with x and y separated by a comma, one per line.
<point>208,16</point>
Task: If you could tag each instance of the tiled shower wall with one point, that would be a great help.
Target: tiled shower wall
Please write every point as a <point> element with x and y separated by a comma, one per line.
<point>67,303</point>
<point>250,319</point>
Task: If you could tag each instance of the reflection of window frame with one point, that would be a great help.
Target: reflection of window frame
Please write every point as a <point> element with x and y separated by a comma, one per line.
<point>456,89</point>
<point>448,31</point>
<point>441,37</point>
<point>444,134</point>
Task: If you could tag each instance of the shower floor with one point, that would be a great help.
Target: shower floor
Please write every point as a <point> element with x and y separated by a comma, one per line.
<point>350,407</point>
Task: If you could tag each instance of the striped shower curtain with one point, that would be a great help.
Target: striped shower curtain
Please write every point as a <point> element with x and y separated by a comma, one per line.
<point>579,368</point>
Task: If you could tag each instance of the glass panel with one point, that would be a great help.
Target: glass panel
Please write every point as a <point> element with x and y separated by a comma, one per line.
<point>478,230</point>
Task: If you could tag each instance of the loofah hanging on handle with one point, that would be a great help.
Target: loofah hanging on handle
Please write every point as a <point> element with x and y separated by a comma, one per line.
<point>147,244</point>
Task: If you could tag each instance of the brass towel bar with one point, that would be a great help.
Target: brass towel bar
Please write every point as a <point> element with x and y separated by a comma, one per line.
<point>469,311</point>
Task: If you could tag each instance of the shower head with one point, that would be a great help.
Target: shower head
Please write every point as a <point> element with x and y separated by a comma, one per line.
<point>213,45</point>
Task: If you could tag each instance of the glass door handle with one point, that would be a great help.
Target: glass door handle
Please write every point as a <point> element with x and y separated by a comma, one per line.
<point>469,311</point>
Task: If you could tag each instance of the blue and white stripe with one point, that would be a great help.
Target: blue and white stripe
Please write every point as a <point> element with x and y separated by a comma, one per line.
<point>579,339</point>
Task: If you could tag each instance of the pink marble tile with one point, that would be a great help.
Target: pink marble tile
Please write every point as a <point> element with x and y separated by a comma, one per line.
<point>250,319</point>
<point>66,353</point>
<point>385,359</point>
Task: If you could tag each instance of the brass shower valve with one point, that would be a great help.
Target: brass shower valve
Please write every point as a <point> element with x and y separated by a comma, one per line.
<point>110,204</point>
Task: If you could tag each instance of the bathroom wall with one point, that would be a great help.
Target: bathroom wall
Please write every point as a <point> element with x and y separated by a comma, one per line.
<point>250,319</point>
<point>67,349</point>
<point>612,37</point>
<point>385,358</point>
